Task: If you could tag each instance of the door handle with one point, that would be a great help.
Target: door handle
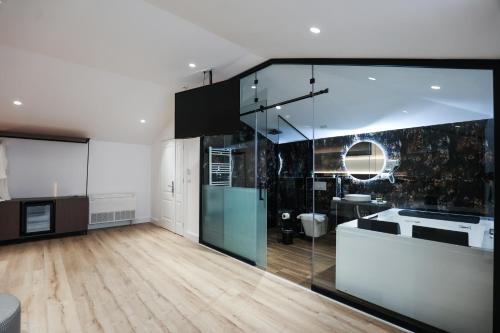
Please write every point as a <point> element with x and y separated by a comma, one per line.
<point>262,185</point>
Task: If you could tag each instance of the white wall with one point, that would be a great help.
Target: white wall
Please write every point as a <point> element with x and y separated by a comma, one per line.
<point>113,168</point>
<point>191,172</point>
<point>34,167</point>
<point>119,168</point>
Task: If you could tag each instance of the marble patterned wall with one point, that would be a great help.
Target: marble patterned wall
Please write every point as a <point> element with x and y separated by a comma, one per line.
<point>446,167</point>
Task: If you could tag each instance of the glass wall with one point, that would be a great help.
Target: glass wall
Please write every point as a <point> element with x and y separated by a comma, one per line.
<point>371,184</point>
<point>409,175</point>
<point>233,205</point>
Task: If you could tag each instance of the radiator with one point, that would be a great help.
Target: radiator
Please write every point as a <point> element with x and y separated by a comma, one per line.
<point>116,207</point>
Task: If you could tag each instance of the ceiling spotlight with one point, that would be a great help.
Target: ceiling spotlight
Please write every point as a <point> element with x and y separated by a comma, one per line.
<point>278,107</point>
<point>192,65</point>
<point>254,87</point>
<point>143,121</point>
<point>435,87</point>
<point>314,30</point>
<point>404,111</point>
<point>17,103</point>
<point>372,79</point>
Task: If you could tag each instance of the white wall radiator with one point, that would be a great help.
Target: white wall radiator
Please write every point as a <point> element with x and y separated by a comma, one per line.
<point>108,208</point>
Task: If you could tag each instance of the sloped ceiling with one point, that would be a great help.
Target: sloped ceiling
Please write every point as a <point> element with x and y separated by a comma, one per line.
<point>96,67</point>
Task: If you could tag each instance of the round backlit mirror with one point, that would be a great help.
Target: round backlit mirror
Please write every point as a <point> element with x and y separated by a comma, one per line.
<point>365,160</point>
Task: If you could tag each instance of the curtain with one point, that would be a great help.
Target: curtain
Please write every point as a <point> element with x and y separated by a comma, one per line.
<point>4,190</point>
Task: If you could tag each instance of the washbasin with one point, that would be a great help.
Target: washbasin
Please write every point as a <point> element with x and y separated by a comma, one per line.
<point>358,197</point>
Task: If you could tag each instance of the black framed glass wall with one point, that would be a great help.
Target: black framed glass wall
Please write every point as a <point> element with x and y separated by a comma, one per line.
<point>387,179</point>
<point>408,179</point>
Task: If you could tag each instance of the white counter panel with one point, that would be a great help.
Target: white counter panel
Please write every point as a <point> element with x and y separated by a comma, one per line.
<point>443,285</point>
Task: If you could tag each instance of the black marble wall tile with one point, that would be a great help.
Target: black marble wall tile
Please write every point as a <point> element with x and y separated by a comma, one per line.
<point>447,167</point>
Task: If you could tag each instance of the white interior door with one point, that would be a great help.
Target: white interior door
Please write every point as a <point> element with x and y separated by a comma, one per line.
<point>167,219</point>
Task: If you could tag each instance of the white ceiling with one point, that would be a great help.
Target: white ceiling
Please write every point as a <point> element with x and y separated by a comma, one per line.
<point>399,97</point>
<point>97,67</point>
<point>351,28</point>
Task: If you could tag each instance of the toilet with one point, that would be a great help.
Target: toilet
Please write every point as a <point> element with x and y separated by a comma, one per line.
<point>320,226</point>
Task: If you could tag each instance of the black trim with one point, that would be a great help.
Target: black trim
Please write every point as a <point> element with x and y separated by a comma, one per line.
<point>429,63</point>
<point>200,202</point>
<point>87,177</point>
<point>496,267</point>
<point>293,100</point>
<point>229,253</point>
<point>42,137</point>
<point>42,237</point>
<point>295,128</point>
<point>378,311</point>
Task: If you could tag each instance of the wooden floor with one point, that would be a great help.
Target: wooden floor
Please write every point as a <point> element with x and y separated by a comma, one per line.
<point>145,279</point>
<point>293,262</point>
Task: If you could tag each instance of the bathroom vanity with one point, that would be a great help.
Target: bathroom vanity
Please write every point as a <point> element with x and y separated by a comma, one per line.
<point>445,285</point>
<point>32,218</point>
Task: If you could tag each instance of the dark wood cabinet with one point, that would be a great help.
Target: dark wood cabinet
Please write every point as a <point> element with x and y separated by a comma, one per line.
<point>10,217</point>
<point>72,214</point>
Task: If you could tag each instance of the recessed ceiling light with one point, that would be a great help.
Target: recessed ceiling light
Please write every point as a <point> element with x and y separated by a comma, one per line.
<point>314,30</point>
<point>278,107</point>
<point>143,121</point>
<point>372,78</point>
<point>404,111</point>
<point>435,87</point>
<point>254,87</point>
<point>17,103</point>
<point>192,65</point>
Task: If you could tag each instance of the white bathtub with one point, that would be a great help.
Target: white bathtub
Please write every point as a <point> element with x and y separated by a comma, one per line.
<point>444,285</point>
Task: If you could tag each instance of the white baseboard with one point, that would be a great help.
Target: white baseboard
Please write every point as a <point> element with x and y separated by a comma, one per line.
<point>192,236</point>
<point>142,220</point>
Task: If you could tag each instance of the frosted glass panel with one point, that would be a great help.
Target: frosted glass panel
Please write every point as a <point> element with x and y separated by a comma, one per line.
<point>240,215</point>
<point>234,219</point>
<point>213,215</point>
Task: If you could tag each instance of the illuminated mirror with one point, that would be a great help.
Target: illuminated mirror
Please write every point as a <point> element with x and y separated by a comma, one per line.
<point>365,160</point>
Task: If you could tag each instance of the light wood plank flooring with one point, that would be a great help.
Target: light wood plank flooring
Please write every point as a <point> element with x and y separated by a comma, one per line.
<point>145,279</point>
<point>293,261</point>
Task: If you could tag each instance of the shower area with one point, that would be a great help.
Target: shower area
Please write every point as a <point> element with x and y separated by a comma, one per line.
<point>358,181</point>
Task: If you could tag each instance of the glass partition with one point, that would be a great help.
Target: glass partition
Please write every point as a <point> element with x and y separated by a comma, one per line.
<point>409,176</point>
<point>371,184</point>
<point>232,203</point>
